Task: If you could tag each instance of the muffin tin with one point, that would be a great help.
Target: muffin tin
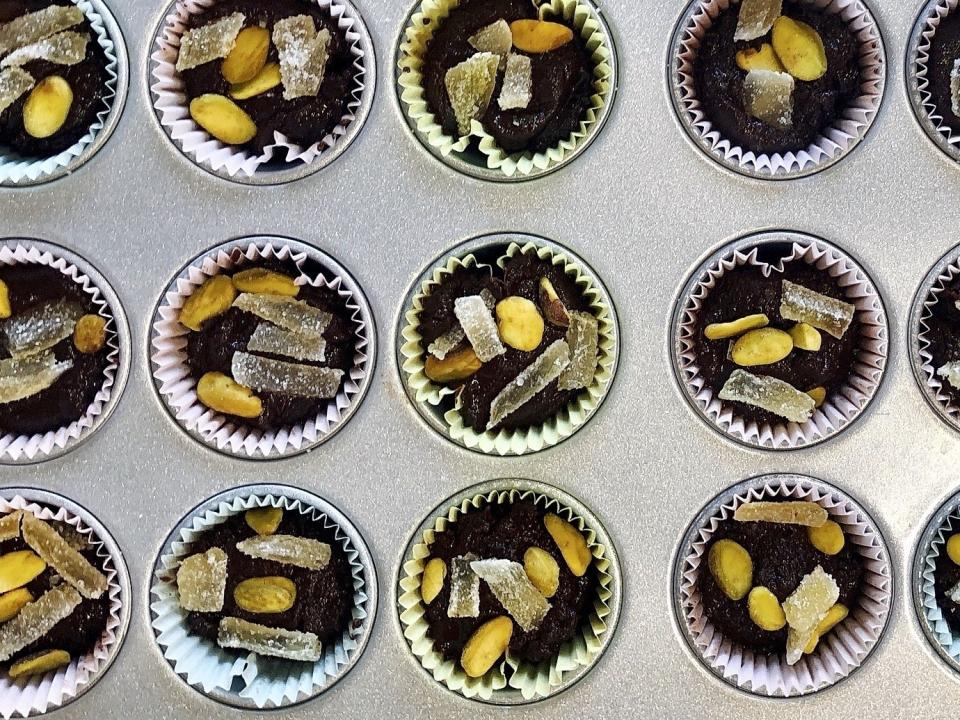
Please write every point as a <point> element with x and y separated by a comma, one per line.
<point>643,209</point>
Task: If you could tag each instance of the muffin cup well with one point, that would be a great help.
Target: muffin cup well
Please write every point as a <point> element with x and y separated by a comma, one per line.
<point>176,385</point>
<point>511,681</point>
<point>41,694</point>
<point>17,170</point>
<point>427,395</point>
<point>284,161</point>
<point>20,449</point>
<point>242,679</point>
<point>491,162</point>
<point>834,143</point>
<point>838,654</point>
<point>840,409</point>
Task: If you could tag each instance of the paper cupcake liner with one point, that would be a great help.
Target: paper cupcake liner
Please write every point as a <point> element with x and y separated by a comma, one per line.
<point>842,407</point>
<point>241,678</point>
<point>171,104</point>
<point>429,14</point>
<point>511,681</point>
<point>557,428</point>
<point>176,384</point>
<point>841,651</point>
<point>43,446</point>
<point>26,697</point>
<point>20,170</point>
<point>830,146</point>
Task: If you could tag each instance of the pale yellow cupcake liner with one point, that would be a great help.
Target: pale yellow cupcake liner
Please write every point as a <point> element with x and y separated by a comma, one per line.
<point>416,38</point>
<point>532,681</point>
<point>532,439</point>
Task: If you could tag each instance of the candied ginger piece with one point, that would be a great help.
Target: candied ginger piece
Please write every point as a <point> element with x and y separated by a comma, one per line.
<point>41,327</point>
<point>802,305</point>
<point>57,553</point>
<point>23,377</point>
<point>209,42</point>
<point>14,82</point>
<point>464,588</point>
<point>66,48</point>
<point>509,583</point>
<point>28,29</point>
<point>452,338</point>
<point>268,338</point>
<point>277,376</point>
<point>531,380</point>
<point>770,394</point>
<point>495,38</point>
<point>287,549</point>
<point>276,642</point>
<point>36,619</point>
<point>10,526</point>
<point>756,18</point>
<point>202,580</point>
<point>480,328</point>
<point>955,87</point>
<point>517,87</point>
<point>583,337</point>
<point>303,54</point>
<point>806,607</point>
<point>954,593</point>
<point>470,86</point>
<point>950,371</point>
<point>286,312</point>
<point>768,96</point>
<point>791,512</point>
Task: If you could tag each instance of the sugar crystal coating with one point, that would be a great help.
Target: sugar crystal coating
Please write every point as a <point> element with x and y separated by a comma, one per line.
<point>66,48</point>
<point>202,580</point>
<point>480,328</point>
<point>509,583</point>
<point>440,347</point>
<point>806,607</point>
<point>10,526</point>
<point>268,338</point>
<point>531,380</point>
<point>14,82</point>
<point>41,327</point>
<point>823,312</point>
<point>287,549</point>
<point>756,18</point>
<point>23,377</point>
<point>955,87</point>
<point>286,312</point>
<point>790,512</point>
<point>276,642</point>
<point>495,38</point>
<point>470,86</point>
<point>464,588</point>
<point>583,337</point>
<point>950,371</point>
<point>28,29</point>
<point>768,393</point>
<point>768,96</point>
<point>57,553</point>
<point>36,619</point>
<point>209,42</point>
<point>266,375</point>
<point>517,87</point>
<point>303,55</point>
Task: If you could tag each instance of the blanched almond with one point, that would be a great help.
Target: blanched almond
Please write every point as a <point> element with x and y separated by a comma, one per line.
<point>539,36</point>
<point>213,298</point>
<point>223,394</point>
<point>248,56</point>
<point>433,576</point>
<point>47,107</point>
<point>487,644</point>
<point>90,334</point>
<point>4,301</point>
<point>573,546</point>
<point>265,80</point>
<point>265,282</point>
<point>455,366</point>
<point>264,520</point>
<point>223,119</point>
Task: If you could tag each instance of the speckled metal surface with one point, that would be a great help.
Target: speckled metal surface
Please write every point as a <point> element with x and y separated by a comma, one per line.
<point>642,206</point>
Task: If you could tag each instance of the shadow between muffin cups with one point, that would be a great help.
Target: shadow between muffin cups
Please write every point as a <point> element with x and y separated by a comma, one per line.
<point>511,681</point>
<point>283,161</point>
<point>176,387</point>
<point>839,653</point>
<point>244,679</point>
<point>831,145</point>
<point>841,408</point>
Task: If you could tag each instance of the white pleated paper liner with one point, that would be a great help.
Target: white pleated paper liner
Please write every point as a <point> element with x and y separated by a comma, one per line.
<point>176,384</point>
<point>841,651</point>
<point>511,681</point>
<point>241,678</point>
<point>17,170</point>
<point>486,160</point>
<point>39,694</point>
<point>834,142</point>
<point>20,449</point>
<point>842,407</point>
<point>428,396</point>
<point>284,160</point>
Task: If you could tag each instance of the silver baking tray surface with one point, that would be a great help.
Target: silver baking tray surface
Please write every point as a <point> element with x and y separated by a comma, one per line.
<point>641,206</point>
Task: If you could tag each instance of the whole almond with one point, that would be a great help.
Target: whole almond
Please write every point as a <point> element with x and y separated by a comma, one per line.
<point>223,119</point>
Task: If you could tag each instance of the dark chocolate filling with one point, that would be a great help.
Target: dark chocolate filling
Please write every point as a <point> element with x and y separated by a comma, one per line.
<point>944,51</point>
<point>945,578</point>
<point>944,333</point>
<point>506,532</point>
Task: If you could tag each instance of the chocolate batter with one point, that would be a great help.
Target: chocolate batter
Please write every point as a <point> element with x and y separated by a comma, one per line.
<point>816,104</point>
<point>945,577</point>
<point>505,532</point>
<point>944,333</point>
<point>944,51</point>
